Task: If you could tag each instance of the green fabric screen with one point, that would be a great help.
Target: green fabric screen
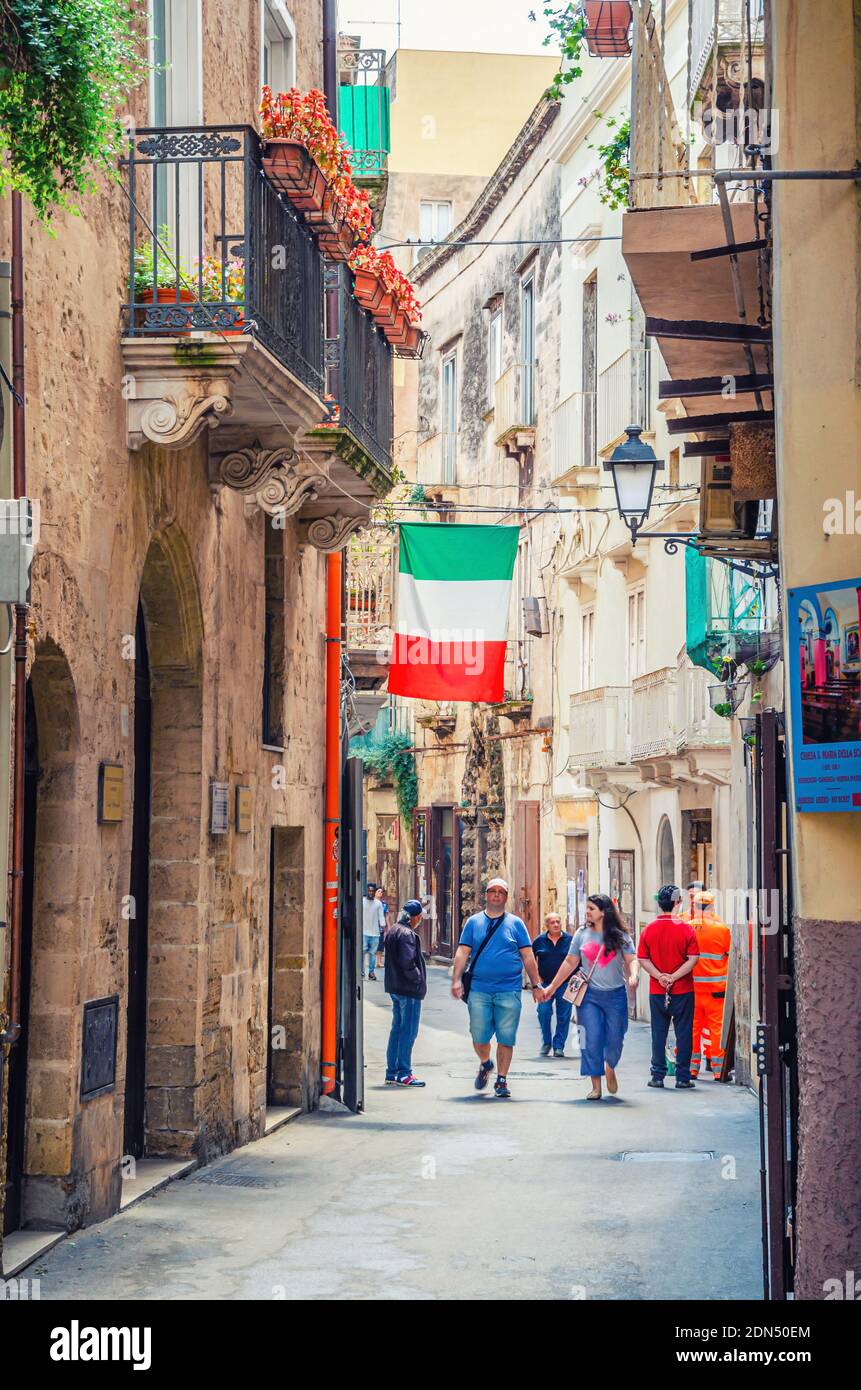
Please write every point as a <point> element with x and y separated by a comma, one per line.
<point>365,125</point>
<point>696,607</point>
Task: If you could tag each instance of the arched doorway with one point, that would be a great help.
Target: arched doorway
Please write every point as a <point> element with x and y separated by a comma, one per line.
<point>666,853</point>
<point>165,934</point>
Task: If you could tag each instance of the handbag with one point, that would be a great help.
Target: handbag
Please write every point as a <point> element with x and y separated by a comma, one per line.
<point>578,984</point>
<point>466,977</point>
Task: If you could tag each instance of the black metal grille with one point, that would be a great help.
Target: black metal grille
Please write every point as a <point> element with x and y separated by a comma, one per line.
<point>365,378</point>
<point>203,215</point>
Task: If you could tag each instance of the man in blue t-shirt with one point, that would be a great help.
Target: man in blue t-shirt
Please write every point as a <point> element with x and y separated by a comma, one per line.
<point>495,994</point>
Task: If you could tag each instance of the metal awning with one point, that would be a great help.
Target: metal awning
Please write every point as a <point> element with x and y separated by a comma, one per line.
<point>700,333</point>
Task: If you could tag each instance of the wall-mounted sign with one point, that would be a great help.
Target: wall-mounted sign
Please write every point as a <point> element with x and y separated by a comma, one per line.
<point>421,836</point>
<point>825,695</point>
<point>110,798</point>
<point>99,1046</point>
<point>244,807</point>
<point>219,808</point>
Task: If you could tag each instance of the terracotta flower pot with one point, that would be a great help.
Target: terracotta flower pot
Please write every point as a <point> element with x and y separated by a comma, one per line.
<point>164,294</point>
<point>386,312</point>
<point>337,245</point>
<point>289,167</point>
<point>369,289</point>
<point>609,22</point>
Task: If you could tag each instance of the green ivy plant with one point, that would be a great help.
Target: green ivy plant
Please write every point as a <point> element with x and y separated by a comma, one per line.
<point>615,184</point>
<point>65,69</point>
<point>568,30</point>
<point>394,757</point>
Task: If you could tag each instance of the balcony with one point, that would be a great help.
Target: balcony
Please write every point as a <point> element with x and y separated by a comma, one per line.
<point>573,430</point>
<point>653,714</point>
<point>369,605</point>
<point>364,114</point>
<point>624,396</point>
<point>436,460</point>
<point>514,409</point>
<point>599,728</point>
<point>697,725</point>
<point>230,334</point>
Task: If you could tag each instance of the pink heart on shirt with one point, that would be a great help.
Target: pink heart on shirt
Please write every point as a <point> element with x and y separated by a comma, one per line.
<point>593,949</point>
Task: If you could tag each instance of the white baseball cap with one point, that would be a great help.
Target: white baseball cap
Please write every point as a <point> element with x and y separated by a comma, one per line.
<point>498,883</point>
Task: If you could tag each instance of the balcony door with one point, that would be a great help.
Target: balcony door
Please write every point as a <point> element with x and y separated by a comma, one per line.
<point>527,349</point>
<point>176,99</point>
<point>449,417</point>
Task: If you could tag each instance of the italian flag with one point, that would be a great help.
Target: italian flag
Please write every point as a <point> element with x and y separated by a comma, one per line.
<point>451,611</point>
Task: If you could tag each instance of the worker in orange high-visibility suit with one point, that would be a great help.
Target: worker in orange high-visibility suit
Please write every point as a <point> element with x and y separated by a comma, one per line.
<point>710,980</point>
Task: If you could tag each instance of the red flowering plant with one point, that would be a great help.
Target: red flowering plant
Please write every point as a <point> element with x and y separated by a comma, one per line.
<point>381,264</point>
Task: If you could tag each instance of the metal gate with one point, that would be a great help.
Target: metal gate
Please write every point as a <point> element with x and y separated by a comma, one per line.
<point>775,1046</point>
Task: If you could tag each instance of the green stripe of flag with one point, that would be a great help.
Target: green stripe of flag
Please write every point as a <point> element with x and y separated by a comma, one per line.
<point>446,551</point>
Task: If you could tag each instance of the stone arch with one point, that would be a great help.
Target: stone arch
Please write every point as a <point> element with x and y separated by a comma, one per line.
<point>175,949</point>
<point>55,884</point>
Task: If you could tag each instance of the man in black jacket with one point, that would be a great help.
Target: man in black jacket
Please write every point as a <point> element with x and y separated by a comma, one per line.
<point>406,982</point>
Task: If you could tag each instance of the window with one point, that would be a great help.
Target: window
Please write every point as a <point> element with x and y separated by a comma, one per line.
<point>274,579</point>
<point>527,349</point>
<point>494,350</point>
<point>449,418</point>
<point>278,46</point>
<point>587,649</point>
<point>636,633</point>
<point>523,671</point>
<point>434,221</point>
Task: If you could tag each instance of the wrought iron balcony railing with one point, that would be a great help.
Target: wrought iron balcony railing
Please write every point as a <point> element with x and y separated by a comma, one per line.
<point>358,369</point>
<point>214,247</point>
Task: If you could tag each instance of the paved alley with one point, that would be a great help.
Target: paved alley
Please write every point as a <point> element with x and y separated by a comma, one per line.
<point>445,1193</point>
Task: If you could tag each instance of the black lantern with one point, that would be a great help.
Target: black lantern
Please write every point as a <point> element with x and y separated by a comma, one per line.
<point>633,465</point>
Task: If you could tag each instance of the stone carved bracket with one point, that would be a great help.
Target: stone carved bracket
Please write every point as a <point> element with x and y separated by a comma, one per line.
<point>177,416</point>
<point>331,533</point>
<point>270,479</point>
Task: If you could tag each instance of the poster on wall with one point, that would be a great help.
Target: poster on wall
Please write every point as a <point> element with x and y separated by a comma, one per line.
<point>825,694</point>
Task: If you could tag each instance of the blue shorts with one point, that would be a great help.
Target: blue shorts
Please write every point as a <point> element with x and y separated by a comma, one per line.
<point>494,1013</point>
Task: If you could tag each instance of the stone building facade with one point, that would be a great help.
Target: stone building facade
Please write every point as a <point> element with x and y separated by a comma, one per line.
<point>165,598</point>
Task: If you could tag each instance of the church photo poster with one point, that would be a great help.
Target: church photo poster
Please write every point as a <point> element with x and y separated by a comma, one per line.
<point>825,692</point>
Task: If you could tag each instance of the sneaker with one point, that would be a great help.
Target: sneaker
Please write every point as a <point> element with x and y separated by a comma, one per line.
<point>482,1075</point>
<point>372,976</point>
<point>657,1083</point>
<point>410,1081</point>
<point>500,1089</point>
<point>545,1051</point>
<point>558,1052</point>
<point>685,1086</point>
<point>391,1081</point>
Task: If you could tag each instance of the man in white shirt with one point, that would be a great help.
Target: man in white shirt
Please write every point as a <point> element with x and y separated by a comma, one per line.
<point>373,923</point>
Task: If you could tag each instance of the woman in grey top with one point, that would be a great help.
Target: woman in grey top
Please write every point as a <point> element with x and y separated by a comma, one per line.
<point>604,948</point>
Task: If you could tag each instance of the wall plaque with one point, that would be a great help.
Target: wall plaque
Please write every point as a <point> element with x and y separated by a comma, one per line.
<point>99,1046</point>
<point>219,808</point>
<point>110,798</point>
<point>244,808</point>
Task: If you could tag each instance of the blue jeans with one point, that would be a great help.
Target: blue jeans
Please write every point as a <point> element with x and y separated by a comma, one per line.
<point>681,1011</point>
<point>563,1019</point>
<point>369,949</point>
<point>603,1021</point>
<point>406,1012</point>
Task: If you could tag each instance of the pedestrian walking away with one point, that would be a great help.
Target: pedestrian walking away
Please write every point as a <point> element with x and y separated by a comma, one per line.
<point>668,952</point>
<point>373,923</point>
<point>714,939</point>
<point>602,1018</point>
<point>550,949</point>
<point>407,983</point>
<point>494,951</point>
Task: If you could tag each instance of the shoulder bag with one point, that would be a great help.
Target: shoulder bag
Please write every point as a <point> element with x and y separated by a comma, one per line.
<point>579,983</point>
<point>466,977</point>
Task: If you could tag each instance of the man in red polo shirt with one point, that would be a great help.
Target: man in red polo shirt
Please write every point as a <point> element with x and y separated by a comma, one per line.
<point>668,952</point>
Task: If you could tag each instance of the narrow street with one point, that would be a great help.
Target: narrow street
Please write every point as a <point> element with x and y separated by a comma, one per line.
<point>446,1194</point>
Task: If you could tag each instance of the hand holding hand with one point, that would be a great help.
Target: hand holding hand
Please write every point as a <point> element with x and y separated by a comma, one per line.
<point>665,980</point>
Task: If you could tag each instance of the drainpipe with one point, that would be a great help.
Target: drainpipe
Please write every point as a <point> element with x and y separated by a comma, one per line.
<point>332,807</point>
<point>16,872</point>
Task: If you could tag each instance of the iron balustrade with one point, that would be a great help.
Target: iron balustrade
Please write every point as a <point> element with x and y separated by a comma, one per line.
<point>215,247</point>
<point>359,363</point>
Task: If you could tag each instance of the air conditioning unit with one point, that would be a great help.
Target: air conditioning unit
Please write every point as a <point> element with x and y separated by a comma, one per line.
<point>535,616</point>
<point>720,516</point>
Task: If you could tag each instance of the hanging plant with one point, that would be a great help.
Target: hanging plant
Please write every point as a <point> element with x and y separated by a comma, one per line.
<point>615,157</point>
<point>394,757</point>
<point>65,69</point>
<point>568,30</point>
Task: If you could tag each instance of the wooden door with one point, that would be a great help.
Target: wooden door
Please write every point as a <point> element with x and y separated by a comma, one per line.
<point>527,865</point>
<point>442,845</point>
<point>421,885</point>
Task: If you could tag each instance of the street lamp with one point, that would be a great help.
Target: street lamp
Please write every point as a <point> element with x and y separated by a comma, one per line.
<point>633,465</point>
